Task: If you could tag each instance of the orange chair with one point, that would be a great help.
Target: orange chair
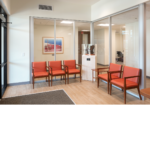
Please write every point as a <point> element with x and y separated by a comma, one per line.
<point>39,70</point>
<point>55,69</point>
<point>71,68</point>
<point>131,79</point>
<point>105,77</point>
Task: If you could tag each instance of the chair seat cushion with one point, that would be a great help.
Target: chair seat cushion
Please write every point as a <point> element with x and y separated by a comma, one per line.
<point>105,76</point>
<point>57,72</point>
<point>120,82</point>
<point>40,74</point>
<point>73,71</point>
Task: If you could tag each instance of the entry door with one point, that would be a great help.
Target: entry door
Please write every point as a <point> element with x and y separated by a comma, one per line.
<point>3,58</point>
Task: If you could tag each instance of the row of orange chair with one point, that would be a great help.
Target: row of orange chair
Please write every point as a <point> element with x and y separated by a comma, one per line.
<point>129,78</point>
<point>55,68</point>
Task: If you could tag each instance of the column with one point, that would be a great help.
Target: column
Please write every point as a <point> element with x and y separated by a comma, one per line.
<point>142,44</point>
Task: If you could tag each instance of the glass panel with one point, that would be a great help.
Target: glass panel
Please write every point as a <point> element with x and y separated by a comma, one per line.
<point>125,40</point>
<point>2,80</point>
<point>2,44</point>
<point>101,38</point>
<point>43,40</point>
<point>64,40</point>
<point>147,45</point>
<point>82,37</point>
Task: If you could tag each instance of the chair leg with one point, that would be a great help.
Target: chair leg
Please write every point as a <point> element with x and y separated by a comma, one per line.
<point>61,77</point>
<point>68,78</point>
<point>33,82</point>
<point>75,76</point>
<point>97,82</point>
<point>51,79</point>
<point>110,88</point>
<point>139,93</point>
<point>124,96</point>
<point>80,77</point>
<point>65,78</point>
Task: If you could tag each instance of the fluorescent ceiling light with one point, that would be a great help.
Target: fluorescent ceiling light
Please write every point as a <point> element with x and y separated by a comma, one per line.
<point>67,22</point>
<point>85,30</point>
<point>104,25</point>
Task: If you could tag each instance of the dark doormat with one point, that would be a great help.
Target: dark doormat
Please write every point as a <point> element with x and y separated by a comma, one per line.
<point>58,97</point>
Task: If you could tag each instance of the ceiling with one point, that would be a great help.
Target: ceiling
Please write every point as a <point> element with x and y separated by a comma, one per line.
<point>119,21</point>
<point>84,2</point>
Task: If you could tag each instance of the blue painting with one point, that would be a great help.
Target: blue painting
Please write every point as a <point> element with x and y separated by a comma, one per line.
<point>48,45</point>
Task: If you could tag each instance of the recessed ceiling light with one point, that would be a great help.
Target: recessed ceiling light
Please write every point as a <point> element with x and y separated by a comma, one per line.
<point>104,25</point>
<point>67,22</point>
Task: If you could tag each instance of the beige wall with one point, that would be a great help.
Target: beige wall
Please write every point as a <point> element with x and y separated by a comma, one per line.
<point>48,31</point>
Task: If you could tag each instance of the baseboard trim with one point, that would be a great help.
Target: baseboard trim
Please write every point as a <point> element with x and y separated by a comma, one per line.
<point>20,83</point>
<point>40,81</point>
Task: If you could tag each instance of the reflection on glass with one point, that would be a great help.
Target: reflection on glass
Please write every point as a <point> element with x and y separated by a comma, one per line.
<point>82,37</point>
<point>2,78</point>
<point>43,40</point>
<point>64,40</point>
<point>125,39</point>
<point>2,44</point>
<point>147,44</point>
<point>101,38</point>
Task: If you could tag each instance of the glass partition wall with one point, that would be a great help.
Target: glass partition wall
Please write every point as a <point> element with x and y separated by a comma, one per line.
<point>125,40</point>
<point>3,52</point>
<point>101,38</point>
<point>82,37</point>
<point>43,41</point>
<point>147,45</point>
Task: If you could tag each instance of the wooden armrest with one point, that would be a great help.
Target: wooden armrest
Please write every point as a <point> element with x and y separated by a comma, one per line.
<point>131,77</point>
<point>115,71</point>
<point>102,68</point>
<point>78,65</point>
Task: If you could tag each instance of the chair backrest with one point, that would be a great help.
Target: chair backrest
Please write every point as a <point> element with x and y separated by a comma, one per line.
<point>55,65</point>
<point>71,64</point>
<point>130,71</point>
<point>39,66</point>
<point>115,67</point>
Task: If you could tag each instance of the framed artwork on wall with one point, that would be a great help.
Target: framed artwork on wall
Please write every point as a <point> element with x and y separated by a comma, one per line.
<point>48,45</point>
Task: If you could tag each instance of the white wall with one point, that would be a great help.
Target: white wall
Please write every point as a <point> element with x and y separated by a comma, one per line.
<point>48,31</point>
<point>18,31</point>
<point>106,7</point>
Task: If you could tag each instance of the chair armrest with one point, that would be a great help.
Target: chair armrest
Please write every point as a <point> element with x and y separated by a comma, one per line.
<point>111,72</point>
<point>79,66</point>
<point>100,70</point>
<point>50,69</point>
<point>65,68</point>
<point>47,68</point>
<point>114,72</point>
<point>131,77</point>
<point>125,78</point>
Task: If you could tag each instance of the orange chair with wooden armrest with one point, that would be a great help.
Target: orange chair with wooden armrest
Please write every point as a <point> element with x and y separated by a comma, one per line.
<point>106,76</point>
<point>71,68</point>
<point>130,79</point>
<point>55,69</point>
<point>39,70</point>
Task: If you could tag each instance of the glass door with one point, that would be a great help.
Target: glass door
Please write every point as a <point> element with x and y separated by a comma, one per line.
<point>3,56</point>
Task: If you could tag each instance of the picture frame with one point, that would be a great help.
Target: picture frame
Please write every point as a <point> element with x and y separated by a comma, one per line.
<point>48,45</point>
